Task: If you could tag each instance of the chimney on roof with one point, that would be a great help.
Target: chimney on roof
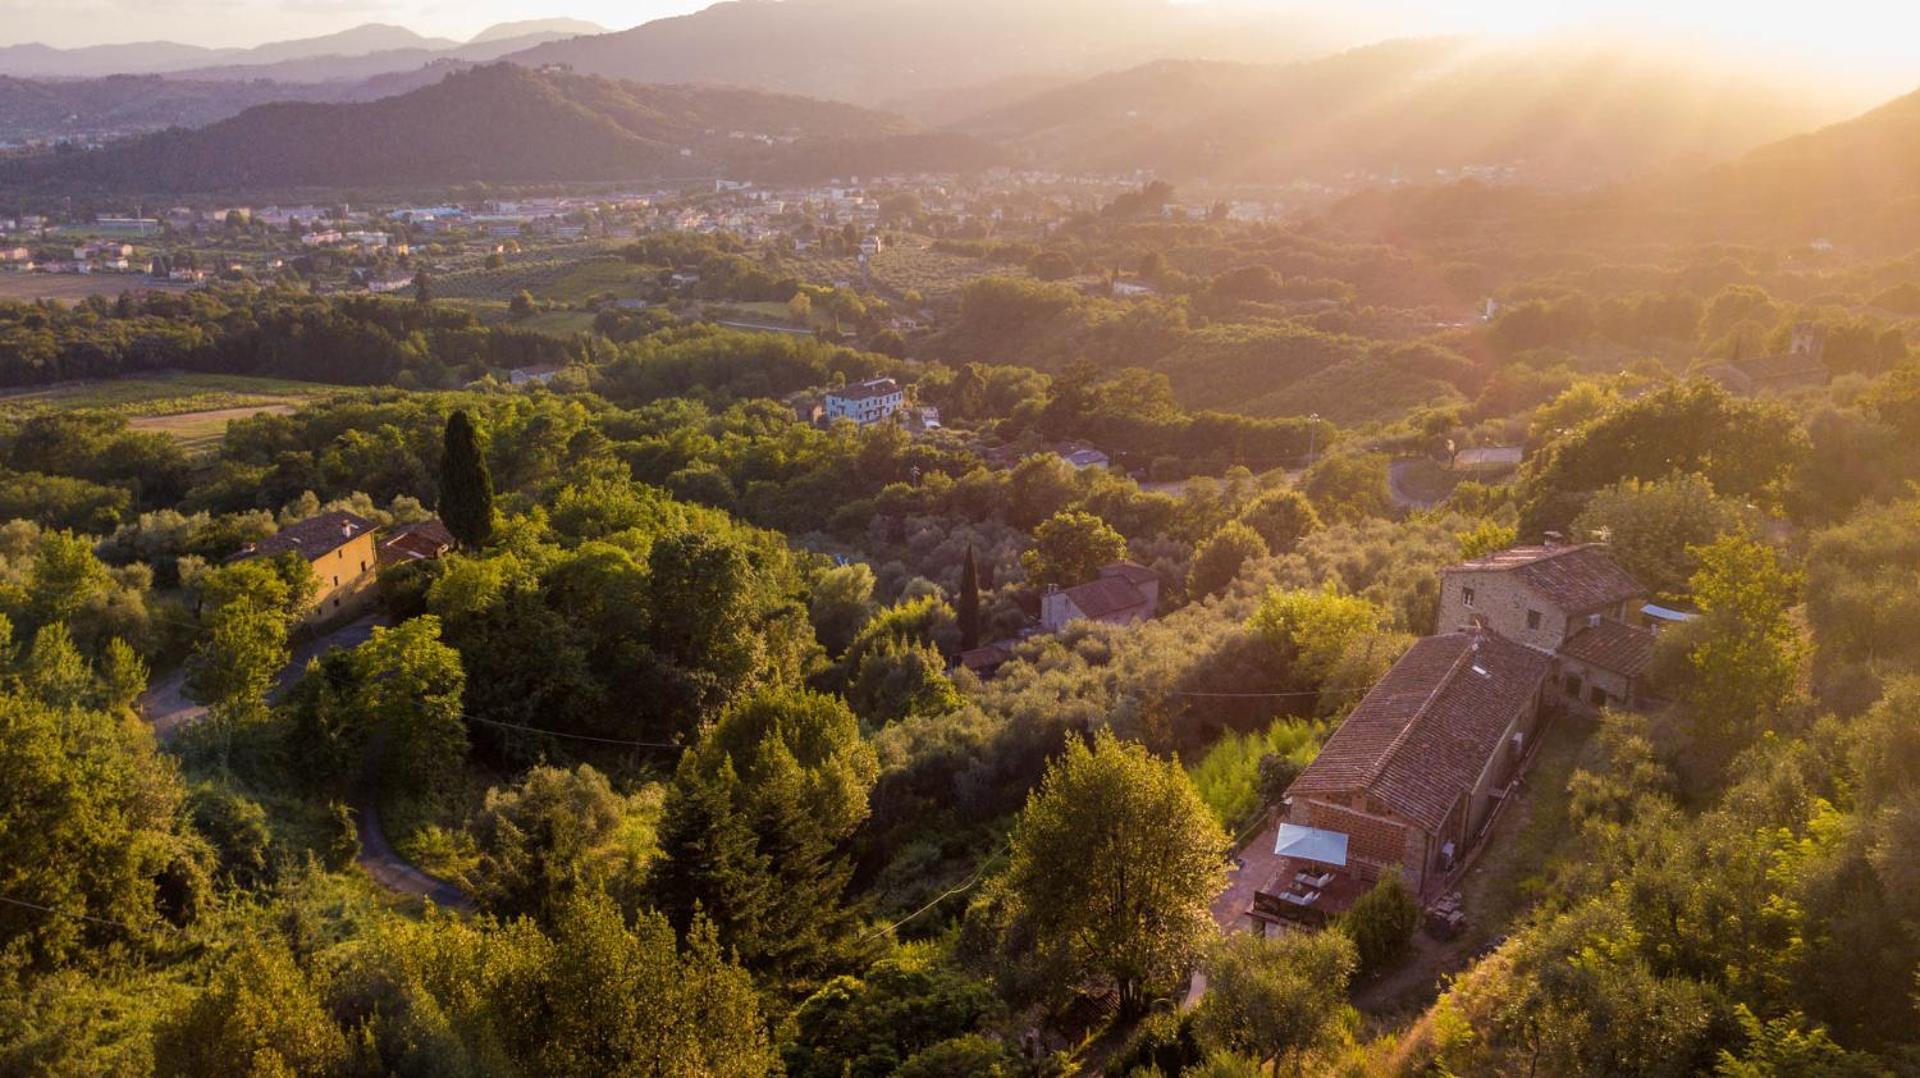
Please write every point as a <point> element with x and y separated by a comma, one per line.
<point>346,529</point>
<point>1555,539</point>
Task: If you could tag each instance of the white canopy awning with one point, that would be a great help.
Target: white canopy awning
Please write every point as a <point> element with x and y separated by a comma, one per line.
<point>1311,844</point>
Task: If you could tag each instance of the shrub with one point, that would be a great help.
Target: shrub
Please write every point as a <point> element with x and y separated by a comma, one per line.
<point>1382,924</point>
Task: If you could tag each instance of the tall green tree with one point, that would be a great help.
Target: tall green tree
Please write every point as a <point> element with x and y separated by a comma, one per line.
<point>967,607</point>
<point>1747,656</point>
<point>260,1016</point>
<point>1276,997</point>
<point>1115,863</point>
<point>410,689</point>
<point>1071,548</point>
<point>245,610</point>
<point>753,835</point>
<point>466,487</point>
<point>94,829</point>
<point>1219,560</point>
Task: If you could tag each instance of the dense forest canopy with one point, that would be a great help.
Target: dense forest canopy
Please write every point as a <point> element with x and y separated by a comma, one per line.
<point>675,721</point>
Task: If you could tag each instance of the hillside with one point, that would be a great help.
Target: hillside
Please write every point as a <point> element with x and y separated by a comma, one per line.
<point>153,57</point>
<point>1556,114</point>
<point>121,105</point>
<point>514,31</point>
<point>501,124</point>
<point>876,51</point>
<point>1855,182</point>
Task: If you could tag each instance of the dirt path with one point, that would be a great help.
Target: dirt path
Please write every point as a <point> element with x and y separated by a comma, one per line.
<point>168,424</point>
<point>167,709</point>
<point>380,860</point>
<point>1396,486</point>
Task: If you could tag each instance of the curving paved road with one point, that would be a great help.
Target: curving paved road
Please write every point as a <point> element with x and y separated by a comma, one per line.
<point>380,860</point>
<point>167,709</point>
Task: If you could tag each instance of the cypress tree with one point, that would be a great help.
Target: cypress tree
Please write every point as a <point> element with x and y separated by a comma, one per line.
<point>466,490</point>
<point>968,608</point>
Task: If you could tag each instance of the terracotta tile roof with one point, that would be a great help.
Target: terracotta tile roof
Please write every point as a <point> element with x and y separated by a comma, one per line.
<point>985,659</point>
<point>1131,572</point>
<point>416,542</point>
<point>1612,645</point>
<point>313,537</point>
<point>1421,738</point>
<point>1107,597</point>
<point>1575,578</point>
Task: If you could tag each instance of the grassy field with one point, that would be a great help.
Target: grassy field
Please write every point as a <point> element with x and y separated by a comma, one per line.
<point>908,267</point>
<point>586,280</point>
<point>200,432</point>
<point>70,287</point>
<point>195,408</point>
<point>558,323</point>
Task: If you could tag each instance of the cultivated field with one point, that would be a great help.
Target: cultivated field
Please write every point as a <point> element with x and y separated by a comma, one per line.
<point>195,408</point>
<point>70,287</point>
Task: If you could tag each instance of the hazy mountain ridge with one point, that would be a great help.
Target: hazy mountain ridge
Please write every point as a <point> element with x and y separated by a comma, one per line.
<point>158,57</point>
<point>513,31</point>
<point>1564,115</point>
<point>119,105</point>
<point>875,51</point>
<point>506,124</point>
<point>360,52</point>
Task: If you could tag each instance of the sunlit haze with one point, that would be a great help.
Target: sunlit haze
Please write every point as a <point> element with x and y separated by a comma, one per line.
<point>1850,40</point>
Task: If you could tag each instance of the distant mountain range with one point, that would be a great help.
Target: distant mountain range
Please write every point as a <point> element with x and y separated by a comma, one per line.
<point>401,48</point>
<point>506,124</point>
<point>1415,108</point>
<point>885,51</point>
<point>120,105</point>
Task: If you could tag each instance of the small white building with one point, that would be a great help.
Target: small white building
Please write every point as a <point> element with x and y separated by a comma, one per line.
<point>871,401</point>
<point>1123,594</point>
<point>1082,456</point>
<point>542,374</point>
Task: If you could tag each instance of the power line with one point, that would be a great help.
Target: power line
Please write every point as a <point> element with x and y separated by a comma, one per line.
<point>577,737</point>
<point>76,916</point>
<point>942,897</point>
<point>1314,693</point>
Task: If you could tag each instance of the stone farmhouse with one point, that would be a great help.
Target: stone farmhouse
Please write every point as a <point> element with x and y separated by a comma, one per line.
<point>1801,366</point>
<point>1571,601</point>
<point>1411,777</point>
<point>1411,780</point>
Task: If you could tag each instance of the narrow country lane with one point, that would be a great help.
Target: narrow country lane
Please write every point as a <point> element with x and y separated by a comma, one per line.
<point>168,710</point>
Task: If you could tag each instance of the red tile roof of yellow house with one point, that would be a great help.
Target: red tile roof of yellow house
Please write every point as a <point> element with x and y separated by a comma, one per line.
<point>312,538</point>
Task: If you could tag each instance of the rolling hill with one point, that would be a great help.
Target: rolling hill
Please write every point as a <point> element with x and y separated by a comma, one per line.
<point>505,124</point>
<point>122,105</point>
<point>1560,115</point>
<point>1856,182</point>
<point>155,57</point>
<point>516,31</point>
<point>360,53</point>
<point>872,52</point>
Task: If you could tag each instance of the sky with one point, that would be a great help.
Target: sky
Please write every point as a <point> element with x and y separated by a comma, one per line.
<point>67,23</point>
<point>1851,39</point>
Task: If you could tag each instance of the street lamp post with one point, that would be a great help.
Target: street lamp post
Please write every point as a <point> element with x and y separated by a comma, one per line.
<point>1313,433</point>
